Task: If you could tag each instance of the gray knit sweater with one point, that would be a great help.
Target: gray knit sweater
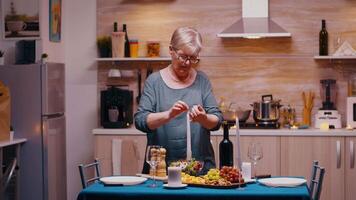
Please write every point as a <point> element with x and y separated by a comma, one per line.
<point>158,97</point>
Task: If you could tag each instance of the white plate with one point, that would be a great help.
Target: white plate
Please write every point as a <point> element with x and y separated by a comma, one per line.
<point>250,180</point>
<point>178,186</point>
<point>125,180</point>
<point>282,182</point>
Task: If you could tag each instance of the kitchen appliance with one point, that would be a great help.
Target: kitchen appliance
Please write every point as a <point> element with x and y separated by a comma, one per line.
<point>255,23</point>
<point>351,112</point>
<point>25,52</point>
<point>253,125</point>
<point>328,113</point>
<point>266,111</point>
<point>38,114</point>
<point>116,100</point>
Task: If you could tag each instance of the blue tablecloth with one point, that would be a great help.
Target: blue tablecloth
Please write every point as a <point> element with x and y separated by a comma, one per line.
<point>98,191</point>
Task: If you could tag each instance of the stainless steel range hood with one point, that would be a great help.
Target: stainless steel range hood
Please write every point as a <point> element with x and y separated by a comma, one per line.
<point>255,22</point>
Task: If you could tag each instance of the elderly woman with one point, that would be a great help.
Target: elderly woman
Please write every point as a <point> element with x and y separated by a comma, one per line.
<point>171,92</point>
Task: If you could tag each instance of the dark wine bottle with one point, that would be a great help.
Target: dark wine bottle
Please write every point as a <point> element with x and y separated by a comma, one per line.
<point>323,40</point>
<point>226,148</point>
<point>115,27</point>
<point>127,43</point>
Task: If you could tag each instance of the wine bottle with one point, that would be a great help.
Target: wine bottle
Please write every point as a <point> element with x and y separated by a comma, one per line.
<point>323,40</point>
<point>115,26</point>
<point>127,43</point>
<point>226,148</point>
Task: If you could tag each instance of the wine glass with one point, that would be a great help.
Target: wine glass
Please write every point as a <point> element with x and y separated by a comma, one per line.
<point>152,158</point>
<point>255,153</point>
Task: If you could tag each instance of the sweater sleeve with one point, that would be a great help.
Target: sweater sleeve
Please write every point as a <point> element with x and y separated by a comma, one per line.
<point>147,105</point>
<point>209,102</point>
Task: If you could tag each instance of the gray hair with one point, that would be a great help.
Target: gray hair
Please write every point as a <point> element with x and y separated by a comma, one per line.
<point>187,37</point>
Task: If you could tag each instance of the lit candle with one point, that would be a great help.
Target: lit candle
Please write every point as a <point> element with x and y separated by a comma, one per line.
<point>237,149</point>
<point>189,142</point>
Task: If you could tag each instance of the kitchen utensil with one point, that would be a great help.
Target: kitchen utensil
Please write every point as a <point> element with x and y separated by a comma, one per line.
<point>243,115</point>
<point>267,110</point>
<point>308,101</point>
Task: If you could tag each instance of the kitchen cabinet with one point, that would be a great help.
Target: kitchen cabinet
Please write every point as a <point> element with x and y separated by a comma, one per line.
<point>269,164</point>
<point>297,154</point>
<point>285,153</point>
<point>350,168</point>
<point>132,153</point>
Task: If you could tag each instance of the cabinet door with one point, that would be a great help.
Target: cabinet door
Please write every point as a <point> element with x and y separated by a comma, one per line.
<point>350,166</point>
<point>132,153</point>
<point>270,163</point>
<point>298,153</point>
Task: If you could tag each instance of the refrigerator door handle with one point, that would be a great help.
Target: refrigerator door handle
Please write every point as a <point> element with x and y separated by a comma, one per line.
<point>338,154</point>
<point>352,154</point>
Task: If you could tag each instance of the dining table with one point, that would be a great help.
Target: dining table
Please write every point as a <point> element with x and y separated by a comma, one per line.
<point>251,191</point>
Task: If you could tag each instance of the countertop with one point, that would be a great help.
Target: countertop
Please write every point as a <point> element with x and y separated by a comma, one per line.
<point>12,142</point>
<point>244,132</point>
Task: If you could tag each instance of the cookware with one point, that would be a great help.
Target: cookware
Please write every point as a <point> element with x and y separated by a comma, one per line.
<point>266,110</point>
<point>230,115</point>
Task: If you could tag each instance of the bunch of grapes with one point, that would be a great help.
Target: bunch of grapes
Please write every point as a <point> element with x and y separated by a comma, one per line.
<point>213,174</point>
<point>231,174</point>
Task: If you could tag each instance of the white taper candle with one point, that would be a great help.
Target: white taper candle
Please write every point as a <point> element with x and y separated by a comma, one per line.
<point>238,149</point>
<point>189,139</point>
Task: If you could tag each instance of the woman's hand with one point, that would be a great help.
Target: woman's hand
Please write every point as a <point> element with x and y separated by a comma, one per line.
<point>177,108</point>
<point>198,114</point>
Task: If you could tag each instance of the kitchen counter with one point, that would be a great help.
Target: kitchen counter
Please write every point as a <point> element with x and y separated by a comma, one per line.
<point>247,132</point>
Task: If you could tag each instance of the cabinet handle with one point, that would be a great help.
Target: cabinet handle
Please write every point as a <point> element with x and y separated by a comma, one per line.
<point>338,154</point>
<point>352,155</point>
<point>135,147</point>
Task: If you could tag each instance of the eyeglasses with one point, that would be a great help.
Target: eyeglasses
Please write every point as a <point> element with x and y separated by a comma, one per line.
<point>184,58</point>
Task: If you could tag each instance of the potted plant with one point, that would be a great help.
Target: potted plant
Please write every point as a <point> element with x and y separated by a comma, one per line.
<point>2,57</point>
<point>44,58</point>
<point>15,22</point>
<point>104,46</point>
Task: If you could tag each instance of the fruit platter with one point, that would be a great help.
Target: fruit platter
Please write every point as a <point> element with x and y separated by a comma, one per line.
<point>191,167</point>
<point>226,177</point>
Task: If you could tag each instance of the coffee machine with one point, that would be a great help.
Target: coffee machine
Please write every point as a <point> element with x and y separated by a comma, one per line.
<point>327,113</point>
<point>116,107</point>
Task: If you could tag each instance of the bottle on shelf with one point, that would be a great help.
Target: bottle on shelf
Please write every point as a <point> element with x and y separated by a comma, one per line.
<point>117,43</point>
<point>226,148</point>
<point>127,42</point>
<point>115,26</point>
<point>12,132</point>
<point>323,39</point>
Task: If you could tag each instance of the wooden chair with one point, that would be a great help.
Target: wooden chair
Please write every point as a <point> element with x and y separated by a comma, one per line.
<point>83,175</point>
<point>316,180</point>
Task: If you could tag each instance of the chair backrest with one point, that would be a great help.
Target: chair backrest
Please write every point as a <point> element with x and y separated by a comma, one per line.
<point>10,170</point>
<point>316,181</point>
<point>83,175</point>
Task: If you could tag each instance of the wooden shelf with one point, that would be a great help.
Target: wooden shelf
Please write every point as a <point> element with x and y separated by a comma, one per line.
<point>335,57</point>
<point>153,59</point>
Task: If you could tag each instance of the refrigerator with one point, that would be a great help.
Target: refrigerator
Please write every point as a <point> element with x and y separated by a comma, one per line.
<point>38,114</point>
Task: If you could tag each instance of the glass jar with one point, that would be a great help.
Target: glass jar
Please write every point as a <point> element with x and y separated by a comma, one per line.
<point>153,49</point>
<point>133,48</point>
